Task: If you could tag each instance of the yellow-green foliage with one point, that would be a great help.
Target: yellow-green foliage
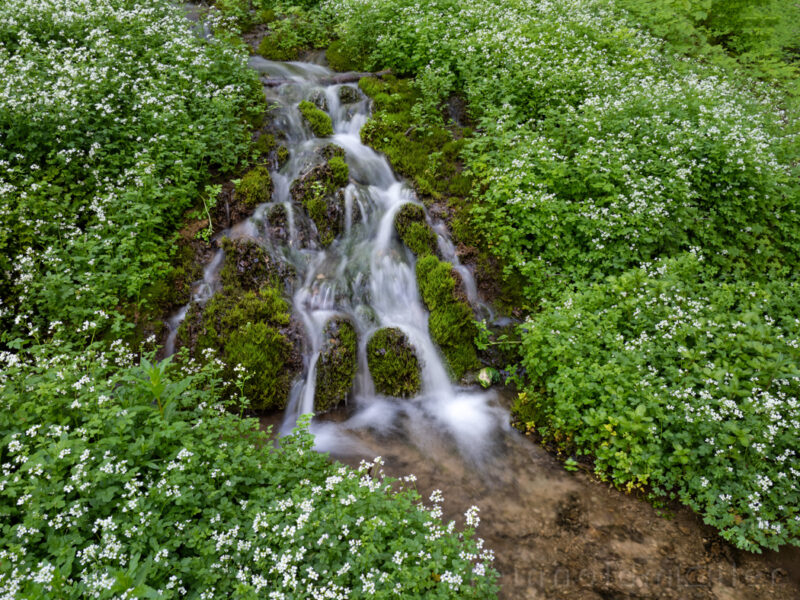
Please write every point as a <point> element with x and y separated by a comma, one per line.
<point>255,187</point>
<point>414,231</point>
<point>392,363</point>
<point>337,364</point>
<point>320,123</point>
<point>451,323</point>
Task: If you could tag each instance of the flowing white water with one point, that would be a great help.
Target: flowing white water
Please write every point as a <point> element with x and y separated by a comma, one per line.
<point>366,275</point>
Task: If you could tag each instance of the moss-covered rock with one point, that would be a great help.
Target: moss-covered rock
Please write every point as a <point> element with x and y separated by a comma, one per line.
<point>248,322</point>
<point>282,154</point>
<point>349,95</point>
<point>393,364</point>
<point>265,144</point>
<point>255,187</point>
<point>414,230</point>
<point>253,329</point>
<point>319,192</point>
<point>451,322</point>
<point>319,122</point>
<point>337,365</point>
<point>248,266</point>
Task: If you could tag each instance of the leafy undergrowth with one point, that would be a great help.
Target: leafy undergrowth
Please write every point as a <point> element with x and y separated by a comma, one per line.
<point>126,481</point>
<point>676,383</point>
<point>124,478</point>
<point>600,153</point>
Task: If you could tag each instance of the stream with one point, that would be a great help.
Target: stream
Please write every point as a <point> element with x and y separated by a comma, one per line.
<point>556,534</point>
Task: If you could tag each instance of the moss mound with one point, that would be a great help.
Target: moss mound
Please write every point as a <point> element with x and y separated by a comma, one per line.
<point>393,364</point>
<point>451,323</point>
<point>320,123</point>
<point>249,323</point>
<point>255,187</point>
<point>265,144</point>
<point>279,45</point>
<point>337,365</point>
<point>319,192</point>
<point>414,230</point>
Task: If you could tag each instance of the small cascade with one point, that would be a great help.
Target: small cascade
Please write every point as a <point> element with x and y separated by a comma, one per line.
<point>366,275</point>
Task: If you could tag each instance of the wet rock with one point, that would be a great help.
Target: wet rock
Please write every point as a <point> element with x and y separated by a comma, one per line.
<point>248,266</point>
<point>319,192</point>
<point>278,224</point>
<point>318,98</point>
<point>337,364</point>
<point>414,230</point>
<point>571,514</point>
<point>355,212</point>
<point>349,95</point>
<point>393,364</point>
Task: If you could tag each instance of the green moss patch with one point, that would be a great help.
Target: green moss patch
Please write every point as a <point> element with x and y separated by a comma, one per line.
<point>342,57</point>
<point>248,323</point>
<point>414,230</point>
<point>320,123</point>
<point>393,364</point>
<point>283,155</point>
<point>265,144</point>
<point>451,321</point>
<point>337,365</point>
<point>255,187</point>
<point>280,45</point>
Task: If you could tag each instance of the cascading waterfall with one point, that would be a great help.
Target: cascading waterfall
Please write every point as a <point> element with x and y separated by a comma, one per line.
<point>366,275</point>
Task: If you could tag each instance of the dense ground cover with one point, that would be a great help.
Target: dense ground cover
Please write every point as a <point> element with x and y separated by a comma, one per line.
<point>111,117</point>
<point>124,478</point>
<point>121,480</point>
<point>604,161</point>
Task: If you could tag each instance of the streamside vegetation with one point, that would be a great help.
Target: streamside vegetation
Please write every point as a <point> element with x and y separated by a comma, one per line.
<point>636,172</point>
<point>121,476</point>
